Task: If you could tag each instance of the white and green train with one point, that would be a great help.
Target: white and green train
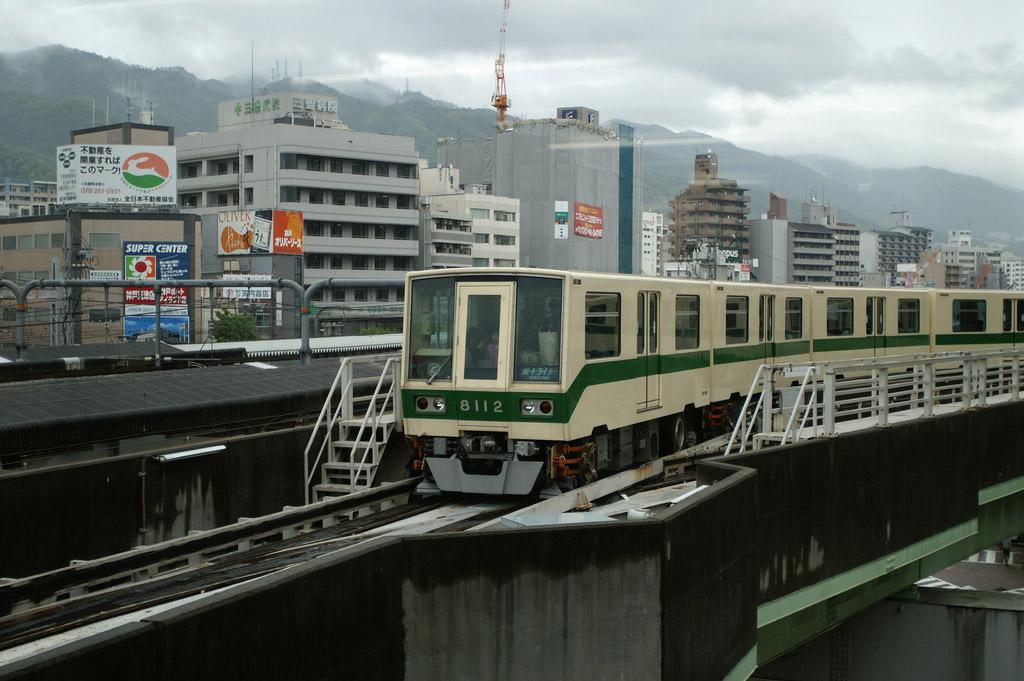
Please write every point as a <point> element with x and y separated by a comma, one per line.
<point>517,378</point>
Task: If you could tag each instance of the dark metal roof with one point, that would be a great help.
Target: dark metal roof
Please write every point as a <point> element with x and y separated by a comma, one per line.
<point>95,350</point>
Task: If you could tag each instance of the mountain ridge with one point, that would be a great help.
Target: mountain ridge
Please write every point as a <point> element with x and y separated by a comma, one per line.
<point>48,91</point>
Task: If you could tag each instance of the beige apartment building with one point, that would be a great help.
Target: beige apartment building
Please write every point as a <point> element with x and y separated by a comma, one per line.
<point>710,210</point>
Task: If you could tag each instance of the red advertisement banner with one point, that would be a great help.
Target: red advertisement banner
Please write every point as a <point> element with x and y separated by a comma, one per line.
<point>287,232</point>
<point>171,295</point>
<point>589,221</point>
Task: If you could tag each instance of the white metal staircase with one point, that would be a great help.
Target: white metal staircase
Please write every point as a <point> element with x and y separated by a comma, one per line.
<point>354,443</point>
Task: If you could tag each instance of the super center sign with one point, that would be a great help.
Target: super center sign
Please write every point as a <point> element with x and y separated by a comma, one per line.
<point>588,221</point>
<point>148,260</point>
<point>116,174</point>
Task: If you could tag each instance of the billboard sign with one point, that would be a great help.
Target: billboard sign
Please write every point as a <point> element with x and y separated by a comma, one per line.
<point>117,175</point>
<point>255,232</point>
<point>146,261</point>
<point>561,220</point>
<point>589,221</point>
<point>246,292</point>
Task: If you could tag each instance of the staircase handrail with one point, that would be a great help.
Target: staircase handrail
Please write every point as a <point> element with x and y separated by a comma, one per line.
<point>376,414</point>
<point>309,470</point>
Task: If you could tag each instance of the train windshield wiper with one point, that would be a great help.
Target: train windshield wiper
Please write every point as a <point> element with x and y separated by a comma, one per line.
<point>439,368</point>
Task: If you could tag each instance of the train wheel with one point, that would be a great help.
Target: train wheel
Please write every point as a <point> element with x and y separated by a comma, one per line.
<point>673,433</point>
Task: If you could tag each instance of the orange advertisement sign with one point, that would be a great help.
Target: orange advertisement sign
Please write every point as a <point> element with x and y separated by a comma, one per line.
<point>589,221</point>
<point>287,232</point>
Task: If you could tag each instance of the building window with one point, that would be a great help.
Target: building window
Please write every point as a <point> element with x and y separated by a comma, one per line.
<point>315,261</point>
<point>289,161</point>
<point>337,230</point>
<point>248,196</point>
<point>25,242</point>
<point>190,170</point>
<point>380,262</point>
<point>313,228</point>
<point>10,243</point>
<point>362,199</point>
<point>105,240</point>
<point>222,168</point>
<point>480,262</point>
<point>316,195</point>
<point>337,262</point>
<point>338,198</point>
<point>57,240</point>
<point>736,308</point>
<point>687,322</point>
<point>602,325</point>
<point>482,238</point>
<point>362,295</point>
<point>403,201</point>
<point>480,213</point>
<point>359,262</point>
<point>382,170</point>
<point>839,316</point>
<point>908,315</point>
<point>502,262</point>
<point>359,168</point>
<point>382,295</point>
<point>379,232</point>
<point>314,163</point>
<point>504,216</point>
<point>794,318</point>
<point>190,200</point>
<point>968,316</point>
<point>383,200</point>
<point>42,241</point>
<point>360,232</point>
<point>248,163</point>
<point>502,240</point>
<point>290,194</point>
<point>336,165</point>
<point>404,170</point>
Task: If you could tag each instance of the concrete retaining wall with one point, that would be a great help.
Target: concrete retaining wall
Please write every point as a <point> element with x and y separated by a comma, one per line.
<point>89,510</point>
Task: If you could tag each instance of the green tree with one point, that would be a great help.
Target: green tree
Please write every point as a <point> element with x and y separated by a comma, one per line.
<point>229,326</point>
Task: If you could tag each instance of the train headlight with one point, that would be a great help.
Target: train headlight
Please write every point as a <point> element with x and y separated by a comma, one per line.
<point>439,403</point>
<point>422,403</point>
<point>529,406</point>
<point>432,404</point>
<point>546,407</point>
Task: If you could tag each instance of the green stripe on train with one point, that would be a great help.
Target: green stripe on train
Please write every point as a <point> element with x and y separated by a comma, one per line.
<point>970,338</point>
<point>845,343</point>
<point>482,405</point>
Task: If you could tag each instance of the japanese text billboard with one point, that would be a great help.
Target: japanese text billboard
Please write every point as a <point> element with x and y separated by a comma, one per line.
<point>589,221</point>
<point>249,232</point>
<point>146,261</point>
<point>117,174</point>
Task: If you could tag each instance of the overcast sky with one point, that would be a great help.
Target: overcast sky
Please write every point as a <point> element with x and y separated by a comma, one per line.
<point>879,82</point>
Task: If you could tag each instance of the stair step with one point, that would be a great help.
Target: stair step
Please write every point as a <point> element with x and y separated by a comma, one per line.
<point>349,444</point>
<point>385,419</point>
<point>345,466</point>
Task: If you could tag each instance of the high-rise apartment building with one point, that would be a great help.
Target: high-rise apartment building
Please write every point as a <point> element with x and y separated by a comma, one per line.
<point>882,250</point>
<point>357,192</point>
<point>710,210</point>
<point>579,187</point>
<point>465,225</point>
<point>846,240</point>
<point>652,232</point>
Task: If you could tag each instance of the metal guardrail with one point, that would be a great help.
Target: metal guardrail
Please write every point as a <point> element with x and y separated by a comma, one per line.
<point>305,295</point>
<point>790,402</point>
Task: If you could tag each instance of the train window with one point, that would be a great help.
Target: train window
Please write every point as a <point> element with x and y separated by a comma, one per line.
<point>736,308</point>
<point>1007,315</point>
<point>794,318</point>
<point>1020,315</point>
<point>639,323</point>
<point>968,315</point>
<point>908,315</point>
<point>839,316</point>
<point>602,325</point>
<point>538,329</point>
<point>652,317</point>
<point>431,317</point>
<point>483,331</point>
<point>687,322</point>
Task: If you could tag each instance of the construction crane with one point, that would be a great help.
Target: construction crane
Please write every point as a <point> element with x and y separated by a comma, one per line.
<point>500,100</point>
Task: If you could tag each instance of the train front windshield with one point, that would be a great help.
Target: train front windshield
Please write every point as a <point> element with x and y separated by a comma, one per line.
<point>536,325</point>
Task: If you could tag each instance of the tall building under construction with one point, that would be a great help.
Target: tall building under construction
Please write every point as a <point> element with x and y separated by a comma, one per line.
<point>710,213</point>
<point>579,187</point>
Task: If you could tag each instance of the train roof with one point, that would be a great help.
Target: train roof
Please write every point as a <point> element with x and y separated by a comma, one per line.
<point>479,271</point>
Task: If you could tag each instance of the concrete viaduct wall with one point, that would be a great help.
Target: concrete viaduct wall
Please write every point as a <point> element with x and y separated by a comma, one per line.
<point>783,545</point>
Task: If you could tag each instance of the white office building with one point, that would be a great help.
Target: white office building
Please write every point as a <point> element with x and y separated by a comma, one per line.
<point>465,225</point>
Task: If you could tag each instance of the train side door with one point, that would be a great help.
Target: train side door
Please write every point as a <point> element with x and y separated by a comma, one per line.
<point>483,321</point>
<point>876,324</point>
<point>766,328</point>
<point>648,347</point>
<point>1018,333</point>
